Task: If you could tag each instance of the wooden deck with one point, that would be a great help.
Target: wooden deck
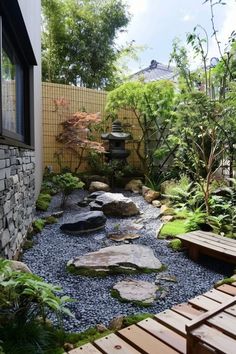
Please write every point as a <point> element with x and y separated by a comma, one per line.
<point>200,242</point>
<point>204,325</point>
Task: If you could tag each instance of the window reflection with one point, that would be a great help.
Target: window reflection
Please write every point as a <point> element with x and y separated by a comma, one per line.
<point>12,92</point>
<point>8,93</point>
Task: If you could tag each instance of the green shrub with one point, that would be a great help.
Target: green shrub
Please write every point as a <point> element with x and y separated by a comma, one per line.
<point>43,201</point>
<point>66,184</point>
<point>175,244</point>
<point>195,221</point>
<point>26,304</point>
<point>48,187</point>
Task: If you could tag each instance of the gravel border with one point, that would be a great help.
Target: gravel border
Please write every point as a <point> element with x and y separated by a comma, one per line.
<point>93,303</point>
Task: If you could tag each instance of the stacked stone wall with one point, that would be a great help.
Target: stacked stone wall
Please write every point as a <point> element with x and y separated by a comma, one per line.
<point>17,189</point>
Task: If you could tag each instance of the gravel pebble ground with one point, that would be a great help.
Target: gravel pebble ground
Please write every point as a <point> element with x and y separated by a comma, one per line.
<point>93,303</point>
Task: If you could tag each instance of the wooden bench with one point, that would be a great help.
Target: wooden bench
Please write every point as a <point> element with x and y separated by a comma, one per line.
<point>208,243</point>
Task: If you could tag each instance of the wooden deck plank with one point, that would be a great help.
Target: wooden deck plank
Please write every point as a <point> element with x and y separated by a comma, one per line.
<point>217,295</point>
<point>173,320</point>
<point>204,303</point>
<point>225,322</point>
<point>166,335</point>
<point>146,342</point>
<point>228,289</point>
<point>112,344</point>
<point>85,349</point>
<point>216,339</point>
<point>187,310</point>
<point>231,310</point>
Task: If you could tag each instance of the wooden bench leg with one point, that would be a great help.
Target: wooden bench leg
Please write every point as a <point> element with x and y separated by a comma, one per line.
<point>194,252</point>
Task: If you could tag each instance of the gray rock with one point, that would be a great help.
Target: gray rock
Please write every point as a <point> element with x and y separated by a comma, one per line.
<point>120,259</point>
<point>85,222</point>
<point>116,323</point>
<point>156,203</point>
<point>137,291</point>
<point>19,266</point>
<point>114,204</point>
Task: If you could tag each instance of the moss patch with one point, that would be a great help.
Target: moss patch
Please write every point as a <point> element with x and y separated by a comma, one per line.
<point>38,225</point>
<point>90,335</point>
<point>175,244</point>
<point>172,229</point>
<point>43,201</point>
<point>225,281</point>
<point>112,271</point>
<point>132,319</point>
<point>50,220</point>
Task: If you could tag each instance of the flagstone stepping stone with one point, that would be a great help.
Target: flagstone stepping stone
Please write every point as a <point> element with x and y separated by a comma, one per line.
<point>119,236</point>
<point>114,204</point>
<point>85,222</point>
<point>116,259</point>
<point>137,291</point>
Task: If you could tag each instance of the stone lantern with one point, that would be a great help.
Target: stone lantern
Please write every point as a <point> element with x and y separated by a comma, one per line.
<point>116,139</point>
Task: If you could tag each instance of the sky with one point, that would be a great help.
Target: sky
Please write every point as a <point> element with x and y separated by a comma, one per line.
<point>155,23</point>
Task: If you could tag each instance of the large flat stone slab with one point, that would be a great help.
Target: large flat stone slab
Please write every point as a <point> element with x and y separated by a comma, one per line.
<point>116,259</point>
<point>85,222</point>
<point>114,204</point>
<point>137,291</point>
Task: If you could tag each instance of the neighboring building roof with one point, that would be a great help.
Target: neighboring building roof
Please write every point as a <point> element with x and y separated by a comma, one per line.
<point>154,72</point>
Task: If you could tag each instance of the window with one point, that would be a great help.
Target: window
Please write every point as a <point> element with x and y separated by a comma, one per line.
<point>16,62</point>
<point>13,109</point>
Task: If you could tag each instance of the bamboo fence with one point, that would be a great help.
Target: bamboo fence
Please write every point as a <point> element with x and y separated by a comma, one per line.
<point>73,99</point>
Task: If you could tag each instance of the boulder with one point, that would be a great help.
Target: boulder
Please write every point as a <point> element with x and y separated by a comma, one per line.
<point>137,291</point>
<point>135,186</point>
<point>98,186</point>
<point>116,259</point>
<point>151,195</point>
<point>19,266</point>
<point>85,222</point>
<point>114,204</point>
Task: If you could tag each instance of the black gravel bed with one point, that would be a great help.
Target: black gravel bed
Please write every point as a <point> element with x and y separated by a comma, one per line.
<point>93,304</point>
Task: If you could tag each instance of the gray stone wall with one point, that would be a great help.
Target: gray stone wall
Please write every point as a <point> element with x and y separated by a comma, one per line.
<point>17,188</point>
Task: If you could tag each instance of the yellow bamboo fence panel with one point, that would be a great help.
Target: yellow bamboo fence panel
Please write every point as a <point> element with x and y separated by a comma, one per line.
<point>73,99</point>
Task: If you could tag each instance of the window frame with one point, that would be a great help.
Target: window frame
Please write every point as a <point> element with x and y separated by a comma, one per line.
<point>11,25</point>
